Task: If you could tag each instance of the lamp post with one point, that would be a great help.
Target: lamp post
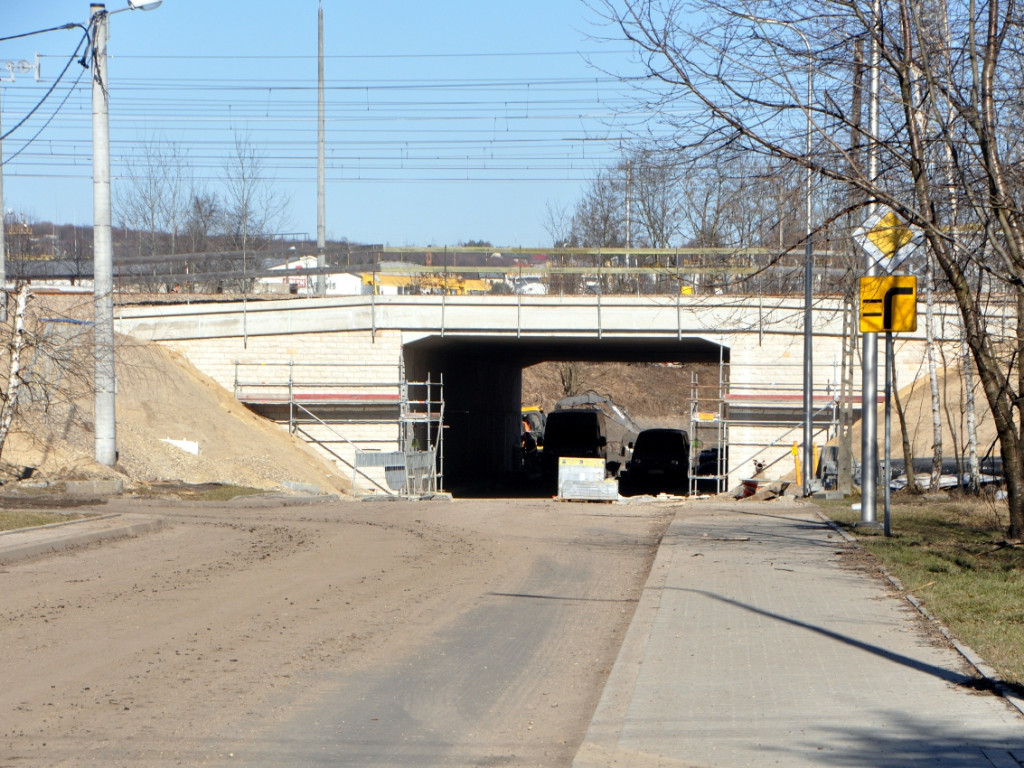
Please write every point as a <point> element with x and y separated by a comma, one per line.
<point>807,466</point>
<point>105,431</point>
<point>808,402</point>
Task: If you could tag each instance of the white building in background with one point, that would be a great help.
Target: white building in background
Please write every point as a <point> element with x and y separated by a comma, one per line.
<point>343,284</point>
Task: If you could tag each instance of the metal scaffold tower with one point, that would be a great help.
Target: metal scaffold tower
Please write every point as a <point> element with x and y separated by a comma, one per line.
<point>749,427</point>
<point>389,431</point>
<point>709,434</point>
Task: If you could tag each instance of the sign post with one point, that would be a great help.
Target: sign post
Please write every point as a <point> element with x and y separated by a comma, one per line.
<point>888,241</point>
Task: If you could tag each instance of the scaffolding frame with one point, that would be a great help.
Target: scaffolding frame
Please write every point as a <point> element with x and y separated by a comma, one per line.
<point>709,466</point>
<point>732,404</point>
<point>338,406</point>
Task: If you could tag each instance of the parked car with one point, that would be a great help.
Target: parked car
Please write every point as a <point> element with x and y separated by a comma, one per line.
<point>527,285</point>
<point>660,463</point>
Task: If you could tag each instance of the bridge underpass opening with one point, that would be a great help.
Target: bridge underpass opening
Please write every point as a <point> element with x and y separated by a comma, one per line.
<point>483,395</point>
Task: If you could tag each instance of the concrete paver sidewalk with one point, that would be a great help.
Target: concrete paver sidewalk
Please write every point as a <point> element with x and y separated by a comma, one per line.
<point>753,645</point>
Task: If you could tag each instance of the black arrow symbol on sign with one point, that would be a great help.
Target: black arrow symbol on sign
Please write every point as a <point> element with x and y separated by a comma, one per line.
<point>889,300</point>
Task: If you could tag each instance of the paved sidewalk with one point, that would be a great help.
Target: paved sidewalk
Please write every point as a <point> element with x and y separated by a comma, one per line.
<point>753,645</point>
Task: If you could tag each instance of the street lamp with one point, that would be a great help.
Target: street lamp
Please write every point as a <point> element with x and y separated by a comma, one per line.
<point>807,467</point>
<point>105,430</point>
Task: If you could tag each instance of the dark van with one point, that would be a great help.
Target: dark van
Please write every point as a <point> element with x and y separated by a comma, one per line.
<point>580,433</point>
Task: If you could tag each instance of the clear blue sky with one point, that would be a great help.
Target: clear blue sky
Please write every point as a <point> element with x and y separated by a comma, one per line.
<point>446,121</point>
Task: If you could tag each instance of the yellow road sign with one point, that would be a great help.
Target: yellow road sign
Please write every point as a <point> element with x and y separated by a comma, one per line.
<point>888,304</point>
<point>888,239</point>
<point>890,234</point>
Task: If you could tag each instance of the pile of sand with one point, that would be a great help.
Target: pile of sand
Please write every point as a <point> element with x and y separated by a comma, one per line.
<point>160,397</point>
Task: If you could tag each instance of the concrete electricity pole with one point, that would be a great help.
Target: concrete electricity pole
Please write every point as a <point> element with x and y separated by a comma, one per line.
<point>103,259</point>
<point>321,204</point>
<point>102,245</point>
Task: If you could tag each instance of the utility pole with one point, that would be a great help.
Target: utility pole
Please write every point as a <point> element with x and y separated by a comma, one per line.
<point>103,258</point>
<point>321,204</point>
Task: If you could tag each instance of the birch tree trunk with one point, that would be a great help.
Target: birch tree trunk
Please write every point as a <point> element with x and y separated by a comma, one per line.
<point>973,465</point>
<point>908,453</point>
<point>14,374</point>
<point>933,377</point>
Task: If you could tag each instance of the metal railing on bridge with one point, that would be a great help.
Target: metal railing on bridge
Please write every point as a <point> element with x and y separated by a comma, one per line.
<point>462,270</point>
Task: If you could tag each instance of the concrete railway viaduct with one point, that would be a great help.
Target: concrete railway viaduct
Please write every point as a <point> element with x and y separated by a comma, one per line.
<point>346,361</point>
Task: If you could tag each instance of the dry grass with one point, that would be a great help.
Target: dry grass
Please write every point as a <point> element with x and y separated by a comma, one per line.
<point>953,556</point>
<point>14,519</point>
<point>197,491</point>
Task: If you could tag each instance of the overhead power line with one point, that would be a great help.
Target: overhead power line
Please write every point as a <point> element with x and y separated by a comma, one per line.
<point>51,89</point>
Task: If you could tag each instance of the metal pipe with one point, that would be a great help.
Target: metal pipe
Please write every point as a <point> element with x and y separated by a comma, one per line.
<point>869,359</point>
<point>887,472</point>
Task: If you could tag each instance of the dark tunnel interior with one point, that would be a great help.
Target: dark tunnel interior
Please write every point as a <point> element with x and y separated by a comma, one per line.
<point>482,380</point>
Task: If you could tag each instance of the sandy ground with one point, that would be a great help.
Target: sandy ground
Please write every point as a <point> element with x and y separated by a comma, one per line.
<point>182,646</point>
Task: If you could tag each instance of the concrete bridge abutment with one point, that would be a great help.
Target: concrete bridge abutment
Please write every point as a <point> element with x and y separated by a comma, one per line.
<point>478,345</point>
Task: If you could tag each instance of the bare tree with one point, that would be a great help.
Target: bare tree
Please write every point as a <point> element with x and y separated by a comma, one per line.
<point>558,224</point>
<point>45,373</point>
<point>15,371</point>
<point>947,81</point>
<point>571,374</point>
<point>654,196</point>
<point>151,198</point>
<point>201,225</point>
<point>253,209</point>
<point>933,375</point>
<point>202,220</point>
<point>599,219</point>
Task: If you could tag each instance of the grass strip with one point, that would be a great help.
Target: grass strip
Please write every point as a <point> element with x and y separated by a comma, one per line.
<point>11,520</point>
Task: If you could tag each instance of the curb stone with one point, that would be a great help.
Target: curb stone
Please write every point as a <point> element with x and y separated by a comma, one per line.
<point>25,543</point>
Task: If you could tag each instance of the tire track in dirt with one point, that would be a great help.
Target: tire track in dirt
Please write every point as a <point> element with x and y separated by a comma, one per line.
<point>162,650</point>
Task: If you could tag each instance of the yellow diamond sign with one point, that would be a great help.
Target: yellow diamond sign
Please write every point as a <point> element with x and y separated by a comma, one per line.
<point>888,239</point>
<point>890,234</point>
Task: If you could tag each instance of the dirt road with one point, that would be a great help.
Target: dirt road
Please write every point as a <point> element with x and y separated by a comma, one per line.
<point>341,633</point>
